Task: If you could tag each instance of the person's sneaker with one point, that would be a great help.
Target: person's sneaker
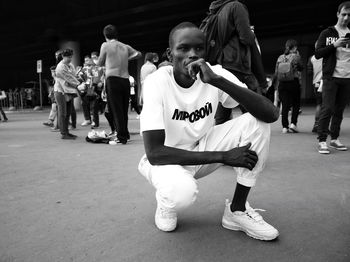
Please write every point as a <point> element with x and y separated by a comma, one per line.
<point>293,128</point>
<point>86,123</point>
<point>49,124</point>
<point>116,141</point>
<point>165,218</point>
<point>71,135</point>
<point>337,145</point>
<point>112,134</point>
<point>67,137</point>
<point>249,221</point>
<point>55,129</point>
<point>284,130</point>
<point>323,148</point>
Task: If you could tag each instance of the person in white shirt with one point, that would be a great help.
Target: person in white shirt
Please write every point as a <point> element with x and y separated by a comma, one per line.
<point>182,143</point>
<point>146,69</point>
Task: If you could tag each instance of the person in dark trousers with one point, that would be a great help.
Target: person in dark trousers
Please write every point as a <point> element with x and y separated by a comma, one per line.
<point>289,90</point>
<point>333,45</point>
<point>115,56</point>
<point>240,53</point>
<point>182,144</point>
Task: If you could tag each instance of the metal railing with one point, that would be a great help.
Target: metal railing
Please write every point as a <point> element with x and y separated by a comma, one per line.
<point>13,101</point>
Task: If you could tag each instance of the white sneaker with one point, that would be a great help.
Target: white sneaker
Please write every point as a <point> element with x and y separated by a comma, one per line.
<point>249,221</point>
<point>335,143</point>
<point>323,148</point>
<point>165,218</point>
<point>293,128</point>
<point>284,130</point>
<point>86,123</point>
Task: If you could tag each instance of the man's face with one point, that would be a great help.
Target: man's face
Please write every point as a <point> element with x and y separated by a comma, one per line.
<point>188,45</point>
<point>344,16</point>
<point>68,59</point>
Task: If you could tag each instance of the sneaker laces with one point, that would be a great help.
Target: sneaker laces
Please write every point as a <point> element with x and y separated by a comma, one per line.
<point>251,212</point>
<point>166,212</point>
<point>323,145</point>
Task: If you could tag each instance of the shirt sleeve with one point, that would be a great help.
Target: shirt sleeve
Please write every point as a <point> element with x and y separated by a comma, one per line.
<point>152,116</point>
<point>63,72</point>
<point>226,100</point>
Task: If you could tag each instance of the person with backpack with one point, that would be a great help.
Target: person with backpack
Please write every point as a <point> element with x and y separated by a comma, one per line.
<point>288,73</point>
<point>231,42</point>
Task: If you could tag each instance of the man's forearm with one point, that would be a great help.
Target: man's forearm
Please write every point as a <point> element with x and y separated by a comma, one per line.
<point>257,105</point>
<point>175,156</point>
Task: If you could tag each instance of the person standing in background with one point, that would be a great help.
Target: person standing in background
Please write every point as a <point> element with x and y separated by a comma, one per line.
<point>333,45</point>
<point>115,56</point>
<point>288,83</point>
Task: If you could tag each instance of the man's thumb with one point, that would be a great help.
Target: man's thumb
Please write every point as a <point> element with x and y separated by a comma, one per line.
<point>248,145</point>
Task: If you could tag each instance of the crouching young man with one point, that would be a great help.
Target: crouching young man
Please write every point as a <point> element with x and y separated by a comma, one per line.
<point>183,144</point>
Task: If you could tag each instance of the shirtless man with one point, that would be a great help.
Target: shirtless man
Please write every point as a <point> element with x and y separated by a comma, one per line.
<point>115,56</point>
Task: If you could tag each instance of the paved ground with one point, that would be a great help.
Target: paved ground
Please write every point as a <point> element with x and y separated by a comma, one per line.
<point>76,201</point>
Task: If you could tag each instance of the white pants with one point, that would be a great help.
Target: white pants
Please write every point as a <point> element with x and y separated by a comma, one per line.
<point>176,186</point>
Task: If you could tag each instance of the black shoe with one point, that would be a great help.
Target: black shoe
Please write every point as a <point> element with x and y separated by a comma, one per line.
<point>67,137</point>
<point>50,124</point>
<point>71,135</point>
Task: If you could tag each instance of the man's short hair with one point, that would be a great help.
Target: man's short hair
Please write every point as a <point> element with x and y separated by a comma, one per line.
<point>345,5</point>
<point>178,27</point>
<point>149,57</point>
<point>67,52</point>
<point>110,32</point>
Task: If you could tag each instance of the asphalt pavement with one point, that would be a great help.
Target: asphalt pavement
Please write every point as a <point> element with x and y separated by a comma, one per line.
<point>63,200</point>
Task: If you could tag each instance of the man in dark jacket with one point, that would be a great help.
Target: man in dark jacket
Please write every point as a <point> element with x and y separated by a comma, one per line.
<point>240,53</point>
<point>333,45</point>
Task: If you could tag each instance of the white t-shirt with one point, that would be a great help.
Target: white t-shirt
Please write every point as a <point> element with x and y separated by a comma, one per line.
<point>342,66</point>
<point>186,114</point>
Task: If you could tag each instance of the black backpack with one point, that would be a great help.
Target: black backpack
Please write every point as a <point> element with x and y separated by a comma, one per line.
<point>209,27</point>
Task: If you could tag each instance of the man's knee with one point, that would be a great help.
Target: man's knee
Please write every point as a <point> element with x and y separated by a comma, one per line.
<point>178,193</point>
<point>256,125</point>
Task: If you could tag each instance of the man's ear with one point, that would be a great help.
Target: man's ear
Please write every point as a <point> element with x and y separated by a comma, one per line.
<point>169,54</point>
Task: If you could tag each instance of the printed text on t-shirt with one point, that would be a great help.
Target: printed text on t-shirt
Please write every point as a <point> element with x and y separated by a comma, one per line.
<point>195,115</point>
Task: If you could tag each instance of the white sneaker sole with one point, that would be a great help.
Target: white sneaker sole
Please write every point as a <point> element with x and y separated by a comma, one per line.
<point>236,227</point>
<point>339,149</point>
<point>324,152</point>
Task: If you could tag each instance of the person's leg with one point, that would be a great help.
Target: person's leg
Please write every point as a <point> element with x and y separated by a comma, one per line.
<point>329,92</point>
<point>284,98</point>
<point>3,113</point>
<point>238,214</point>
<point>342,99</point>
<point>175,188</point>
<point>318,96</point>
<point>126,100</point>
<point>61,106</point>
<point>95,111</point>
<point>109,119</point>
<point>295,101</point>
<point>86,110</point>
<point>116,87</point>
<point>73,114</point>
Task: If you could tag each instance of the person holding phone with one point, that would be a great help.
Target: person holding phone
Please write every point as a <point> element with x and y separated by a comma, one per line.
<point>333,46</point>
